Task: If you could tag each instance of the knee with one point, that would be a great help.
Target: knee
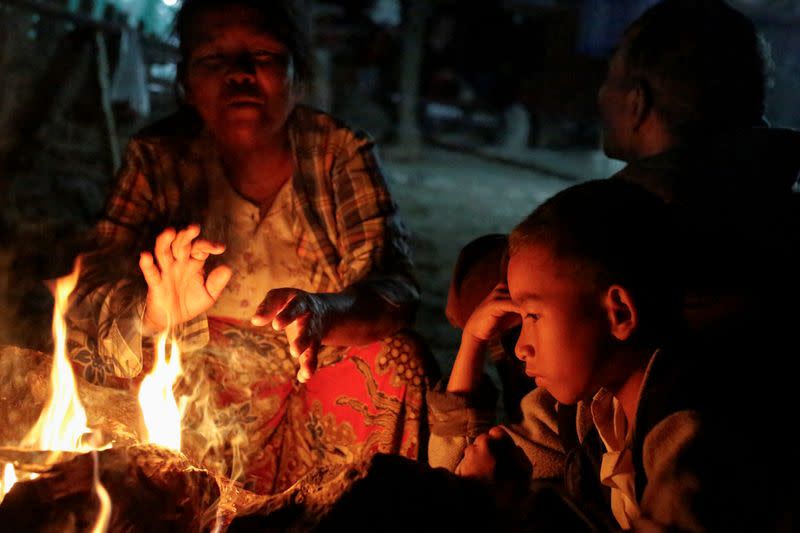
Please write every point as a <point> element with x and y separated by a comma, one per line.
<point>411,357</point>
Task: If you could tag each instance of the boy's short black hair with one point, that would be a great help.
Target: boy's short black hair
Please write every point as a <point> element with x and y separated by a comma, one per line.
<point>282,19</point>
<point>703,62</point>
<point>608,232</point>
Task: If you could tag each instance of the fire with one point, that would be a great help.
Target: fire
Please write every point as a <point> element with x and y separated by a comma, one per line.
<point>62,424</point>
<point>9,478</point>
<point>104,515</point>
<point>162,416</point>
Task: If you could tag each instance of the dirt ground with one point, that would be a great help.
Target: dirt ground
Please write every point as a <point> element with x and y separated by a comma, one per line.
<point>447,199</point>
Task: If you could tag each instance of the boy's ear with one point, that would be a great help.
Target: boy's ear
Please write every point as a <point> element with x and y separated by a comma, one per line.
<point>622,314</point>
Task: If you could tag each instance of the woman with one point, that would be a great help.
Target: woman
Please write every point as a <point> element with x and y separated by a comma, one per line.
<point>288,211</point>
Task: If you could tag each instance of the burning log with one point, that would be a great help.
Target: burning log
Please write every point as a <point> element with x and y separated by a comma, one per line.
<point>51,483</point>
<point>152,489</point>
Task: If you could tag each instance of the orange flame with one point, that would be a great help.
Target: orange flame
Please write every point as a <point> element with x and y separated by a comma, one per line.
<point>104,515</point>
<point>62,424</point>
<point>162,416</point>
<point>9,478</point>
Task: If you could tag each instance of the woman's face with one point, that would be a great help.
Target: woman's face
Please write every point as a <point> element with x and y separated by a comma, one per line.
<point>238,76</point>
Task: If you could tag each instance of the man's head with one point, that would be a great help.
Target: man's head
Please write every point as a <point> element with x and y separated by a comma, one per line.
<point>589,270</point>
<point>684,68</point>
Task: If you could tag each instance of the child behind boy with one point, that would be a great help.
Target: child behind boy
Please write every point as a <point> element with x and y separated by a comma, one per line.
<point>589,278</point>
<point>481,264</point>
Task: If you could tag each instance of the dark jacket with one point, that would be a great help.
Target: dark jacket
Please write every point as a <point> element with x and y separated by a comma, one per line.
<point>735,473</point>
<point>738,217</point>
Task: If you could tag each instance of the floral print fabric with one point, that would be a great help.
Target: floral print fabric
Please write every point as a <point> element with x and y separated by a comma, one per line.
<point>273,429</point>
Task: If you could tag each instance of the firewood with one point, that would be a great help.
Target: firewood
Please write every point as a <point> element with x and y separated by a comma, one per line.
<point>151,489</point>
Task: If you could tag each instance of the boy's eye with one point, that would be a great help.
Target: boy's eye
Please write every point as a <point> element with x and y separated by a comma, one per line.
<point>531,316</point>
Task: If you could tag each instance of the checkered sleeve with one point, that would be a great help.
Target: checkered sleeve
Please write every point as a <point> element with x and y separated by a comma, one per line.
<point>373,242</point>
<point>105,335</point>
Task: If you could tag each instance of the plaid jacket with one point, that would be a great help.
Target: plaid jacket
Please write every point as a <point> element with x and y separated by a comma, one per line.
<point>348,229</point>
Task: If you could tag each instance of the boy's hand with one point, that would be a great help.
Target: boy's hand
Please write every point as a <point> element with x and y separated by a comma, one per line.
<point>493,457</point>
<point>495,315</point>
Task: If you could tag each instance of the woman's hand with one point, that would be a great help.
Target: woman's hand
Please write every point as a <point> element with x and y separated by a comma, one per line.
<point>304,317</point>
<point>177,287</point>
<point>495,315</point>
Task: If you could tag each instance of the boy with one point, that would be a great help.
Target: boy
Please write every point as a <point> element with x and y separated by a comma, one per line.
<point>648,444</point>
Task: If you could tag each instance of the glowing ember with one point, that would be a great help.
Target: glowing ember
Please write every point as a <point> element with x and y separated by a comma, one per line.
<point>62,424</point>
<point>162,416</point>
<point>9,478</point>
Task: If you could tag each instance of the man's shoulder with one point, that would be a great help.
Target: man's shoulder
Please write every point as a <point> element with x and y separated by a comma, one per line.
<point>658,174</point>
<point>747,161</point>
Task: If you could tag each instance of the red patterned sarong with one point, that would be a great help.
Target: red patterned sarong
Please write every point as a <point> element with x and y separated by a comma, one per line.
<point>272,429</point>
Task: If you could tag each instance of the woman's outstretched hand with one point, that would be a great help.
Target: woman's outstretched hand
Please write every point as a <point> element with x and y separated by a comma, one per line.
<point>177,287</point>
<point>303,316</point>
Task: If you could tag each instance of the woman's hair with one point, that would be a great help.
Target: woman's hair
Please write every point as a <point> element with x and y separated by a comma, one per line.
<point>279,18</point>
<point>607,232</point>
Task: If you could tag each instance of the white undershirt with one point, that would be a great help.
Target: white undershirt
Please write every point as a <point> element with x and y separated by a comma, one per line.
<point>261,251</point>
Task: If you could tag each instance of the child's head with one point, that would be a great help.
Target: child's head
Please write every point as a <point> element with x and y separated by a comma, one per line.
<point>479,267</point>
<point>589,270</point>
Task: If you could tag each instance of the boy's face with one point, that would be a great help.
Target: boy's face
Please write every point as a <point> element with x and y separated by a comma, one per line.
<point>237,76</point>
<point>565,330</point>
